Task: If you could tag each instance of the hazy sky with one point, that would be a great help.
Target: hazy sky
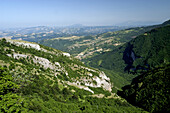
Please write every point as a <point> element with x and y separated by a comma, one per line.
<point>25,13</point>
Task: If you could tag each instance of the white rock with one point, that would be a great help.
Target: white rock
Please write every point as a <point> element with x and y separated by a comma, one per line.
<point>90,74</point>
<point>58,64</point>
<point>29,45</point>
<point>103,76</point>
<point>9,55</point>
<point>66,54</point>
<point>19,55</point>
<point>80,86</point>
<point>43,61</point>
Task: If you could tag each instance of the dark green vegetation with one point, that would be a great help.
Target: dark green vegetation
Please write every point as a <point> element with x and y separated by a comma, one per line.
<point>29,86</point>
<point>148,56</point>
<point>137,56</point>
<point>41,79</point>
<point>141,53</point>
<point>150,50</point>
<point>151,90</point>
<point>10,101</point>
<point>46,96</point>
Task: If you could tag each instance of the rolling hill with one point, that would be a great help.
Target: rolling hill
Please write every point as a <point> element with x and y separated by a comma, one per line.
<point>83,47</point>
<point>35,34</point>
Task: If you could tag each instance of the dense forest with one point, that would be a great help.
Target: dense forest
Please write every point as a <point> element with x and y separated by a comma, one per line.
<point>140,54</point>
<point>42,96</point>
<point>150,90</point>
<point>146,57</point>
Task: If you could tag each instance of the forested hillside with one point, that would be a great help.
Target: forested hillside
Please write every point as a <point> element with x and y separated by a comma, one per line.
<point>84,56</point>
<point>148,56</point>
<point>35,78</point>
<point>144,52</point>
<point>150,90</point>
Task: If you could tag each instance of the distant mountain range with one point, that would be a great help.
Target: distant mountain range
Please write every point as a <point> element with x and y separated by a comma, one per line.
<point>43,32</point>
<point>137,23</point>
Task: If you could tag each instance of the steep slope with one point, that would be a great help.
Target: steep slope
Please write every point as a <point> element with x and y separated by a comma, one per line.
<point>150,90</point>
<point>59,64</point>
<point>144,52</point>
<point>9,100</point>
<point>53,81</point>
<point>148,50</point>
<point>166,23</point>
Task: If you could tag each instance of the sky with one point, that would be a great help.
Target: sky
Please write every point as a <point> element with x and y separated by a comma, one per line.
<point>29,13</point>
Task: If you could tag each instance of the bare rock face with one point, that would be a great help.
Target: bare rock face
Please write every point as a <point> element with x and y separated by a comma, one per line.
<point>66,54</point>
<point>43,61</point>
<point>17,56</point>
<point>26,44</point>
<point>103,81</point>
<point>94,81</point>
<point>80,86</point>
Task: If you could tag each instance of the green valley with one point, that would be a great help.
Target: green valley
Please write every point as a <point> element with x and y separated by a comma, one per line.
<point>84,56</point>
<point>37,78</point>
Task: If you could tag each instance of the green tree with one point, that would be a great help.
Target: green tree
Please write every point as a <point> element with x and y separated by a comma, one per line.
<point>9,100</point>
